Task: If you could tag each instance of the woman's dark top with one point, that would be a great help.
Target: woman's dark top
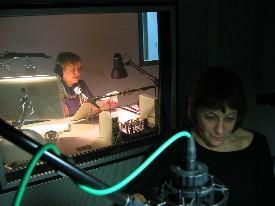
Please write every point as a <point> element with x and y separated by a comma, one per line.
<point>247,173</point>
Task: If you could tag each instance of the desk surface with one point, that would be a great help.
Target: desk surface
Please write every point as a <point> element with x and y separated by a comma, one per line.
<point>80,137</point>
<point>75,137</point>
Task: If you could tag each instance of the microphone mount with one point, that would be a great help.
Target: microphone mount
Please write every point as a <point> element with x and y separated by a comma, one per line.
<point>191,185</point>
<point>78,91</point>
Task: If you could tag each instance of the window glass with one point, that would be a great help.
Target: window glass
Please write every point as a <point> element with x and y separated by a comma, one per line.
<point>149,38</point>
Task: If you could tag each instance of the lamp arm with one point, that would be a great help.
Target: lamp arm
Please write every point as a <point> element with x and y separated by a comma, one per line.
<point>142,71</point>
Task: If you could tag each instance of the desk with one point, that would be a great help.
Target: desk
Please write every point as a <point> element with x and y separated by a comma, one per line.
<point>81,137</point>
<point>75,137</point>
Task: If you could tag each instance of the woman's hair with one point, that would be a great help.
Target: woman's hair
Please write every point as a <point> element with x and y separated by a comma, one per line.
<point>64,58</point>
<point>217,88</point>
<point>67,57</point>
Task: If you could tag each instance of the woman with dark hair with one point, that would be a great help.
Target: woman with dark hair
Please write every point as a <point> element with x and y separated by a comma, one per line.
<point>237,157</point>
<point>240,158</point>
<point>217,89</point>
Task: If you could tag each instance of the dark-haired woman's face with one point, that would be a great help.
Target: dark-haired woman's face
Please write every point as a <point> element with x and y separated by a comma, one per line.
<point>215,126</point>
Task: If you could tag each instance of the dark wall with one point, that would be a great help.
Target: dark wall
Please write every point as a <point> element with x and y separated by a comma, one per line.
<point>216,33</point>
<point>261,117</point>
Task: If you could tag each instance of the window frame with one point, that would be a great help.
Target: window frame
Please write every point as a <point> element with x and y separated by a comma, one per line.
<point>167,55</point>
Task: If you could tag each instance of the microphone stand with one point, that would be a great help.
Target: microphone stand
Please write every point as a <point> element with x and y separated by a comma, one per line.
<point>78,175</point>
<point>123,93</point>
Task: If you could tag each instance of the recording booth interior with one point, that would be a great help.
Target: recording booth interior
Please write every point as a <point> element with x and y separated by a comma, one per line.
<point>108,146</point>
<point>96,150</point>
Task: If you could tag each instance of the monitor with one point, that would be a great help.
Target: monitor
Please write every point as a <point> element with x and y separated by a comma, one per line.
<point>39,96</point>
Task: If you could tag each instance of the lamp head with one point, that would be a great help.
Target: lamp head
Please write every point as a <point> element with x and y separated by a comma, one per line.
<point>119,70</point>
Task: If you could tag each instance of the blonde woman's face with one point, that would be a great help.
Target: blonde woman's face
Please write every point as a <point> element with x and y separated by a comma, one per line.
<point>215,126</point>
<point>71,73</point>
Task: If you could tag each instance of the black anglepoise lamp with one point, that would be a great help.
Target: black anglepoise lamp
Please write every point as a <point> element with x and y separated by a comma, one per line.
<point>119,71</point>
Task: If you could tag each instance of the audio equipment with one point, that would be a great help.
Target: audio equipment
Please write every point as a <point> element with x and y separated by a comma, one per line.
<point>191,185</point>
<point>78,91</point>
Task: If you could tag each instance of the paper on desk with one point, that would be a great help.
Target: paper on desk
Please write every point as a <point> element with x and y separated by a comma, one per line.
<point>43,127</point>
<point>85,111</point>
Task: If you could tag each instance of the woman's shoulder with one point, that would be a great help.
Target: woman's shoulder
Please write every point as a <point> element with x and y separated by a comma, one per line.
<point>247,137</point>
<point>251,134</point>
<point>241,139</point>
<point>243,134</point>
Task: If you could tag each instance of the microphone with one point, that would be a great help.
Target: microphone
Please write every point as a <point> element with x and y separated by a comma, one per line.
<point>191,184</point>
<point>191,163</point>
<point>78,91</point>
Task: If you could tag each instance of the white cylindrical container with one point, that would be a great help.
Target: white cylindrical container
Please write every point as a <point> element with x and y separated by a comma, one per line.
<point>105,127</point>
